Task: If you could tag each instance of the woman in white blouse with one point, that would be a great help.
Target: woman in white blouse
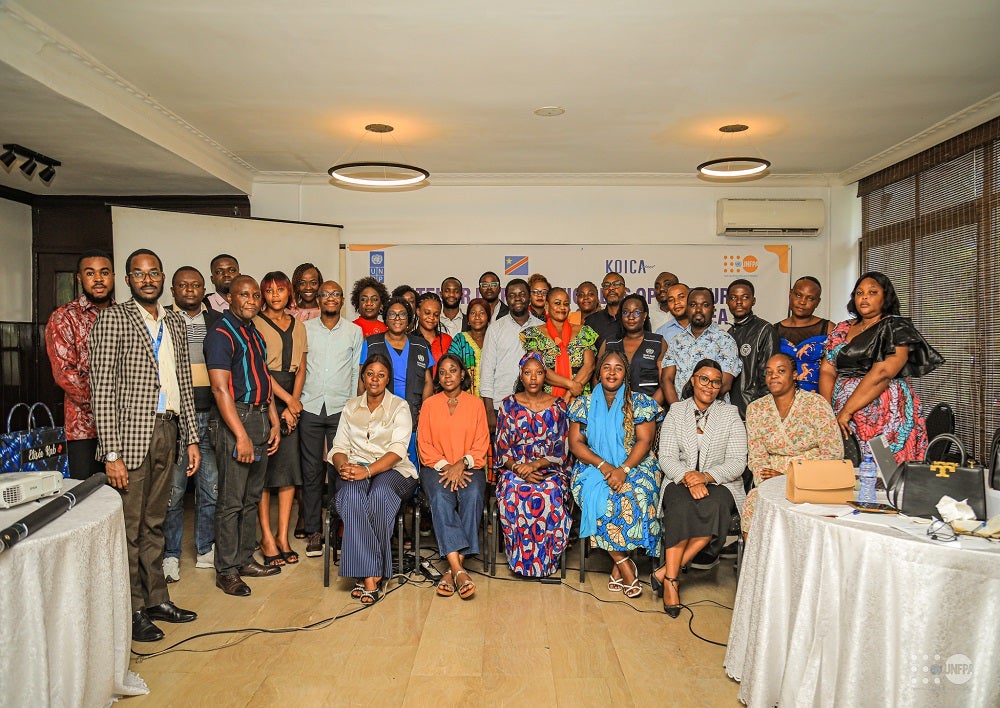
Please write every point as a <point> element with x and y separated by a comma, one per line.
<point>703,452</point>
<point>369,454</point>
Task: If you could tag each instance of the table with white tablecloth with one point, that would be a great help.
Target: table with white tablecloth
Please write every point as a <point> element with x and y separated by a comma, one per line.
<point>854,611</point>
<point>65,608</point>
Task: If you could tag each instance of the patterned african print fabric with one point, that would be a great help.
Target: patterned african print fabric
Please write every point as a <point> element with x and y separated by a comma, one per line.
<point>465,347</point>
<point>805,346</point>
<point>630,519</point>
<point>536,339</point>
<point>534,518</point>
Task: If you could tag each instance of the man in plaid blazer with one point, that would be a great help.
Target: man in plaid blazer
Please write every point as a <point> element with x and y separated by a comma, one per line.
<point>143,403</point>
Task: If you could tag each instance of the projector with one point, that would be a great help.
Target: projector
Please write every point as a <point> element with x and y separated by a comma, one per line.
<point>22,487</point>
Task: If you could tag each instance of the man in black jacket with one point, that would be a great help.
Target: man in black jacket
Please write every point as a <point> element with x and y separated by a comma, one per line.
<point>756,341</point>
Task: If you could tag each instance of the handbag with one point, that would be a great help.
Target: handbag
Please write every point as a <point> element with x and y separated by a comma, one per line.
<point>36,449</point>
<point>915,488</point>
<point>820,482</point>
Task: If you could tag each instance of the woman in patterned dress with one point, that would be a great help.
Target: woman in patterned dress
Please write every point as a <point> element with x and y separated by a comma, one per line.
<point>866,369</point>
<point>615,475</point>
<point>568,352</point>
<point>802,333</point>
<point>468,345</point>
<point>530,459</point>
<point>788,424</point>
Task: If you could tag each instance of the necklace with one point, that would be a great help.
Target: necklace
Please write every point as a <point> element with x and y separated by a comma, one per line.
<point>873,322</point>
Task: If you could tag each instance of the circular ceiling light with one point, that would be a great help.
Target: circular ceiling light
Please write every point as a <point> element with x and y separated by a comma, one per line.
<point>733,167</point>
<point>378,173</point>
<point>549,111</point>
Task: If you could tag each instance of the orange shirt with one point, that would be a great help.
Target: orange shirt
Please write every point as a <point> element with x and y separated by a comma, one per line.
<point>443,436</point>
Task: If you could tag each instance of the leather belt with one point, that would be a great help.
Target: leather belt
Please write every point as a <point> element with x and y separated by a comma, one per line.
<point>168,416</point>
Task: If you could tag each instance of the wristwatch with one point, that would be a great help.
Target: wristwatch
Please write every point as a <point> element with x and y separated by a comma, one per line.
<point>112,457</point>
<point>627,469</point>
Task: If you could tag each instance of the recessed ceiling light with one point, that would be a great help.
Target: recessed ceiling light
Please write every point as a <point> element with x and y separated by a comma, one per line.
<point>549,111</point>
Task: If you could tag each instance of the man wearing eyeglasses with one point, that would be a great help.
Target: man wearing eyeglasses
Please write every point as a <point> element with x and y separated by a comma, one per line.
<point>143,405</point>
<point>67,336</point>
<point>605,321</point>
<point>332,365</point>
<point>489,290</point>
<point>222,270</point>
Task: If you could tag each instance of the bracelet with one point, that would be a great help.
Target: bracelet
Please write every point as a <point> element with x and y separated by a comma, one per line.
<point>369,471</point>
<point>600,465</point>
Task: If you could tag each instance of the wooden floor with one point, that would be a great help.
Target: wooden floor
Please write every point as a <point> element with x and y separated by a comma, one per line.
<point>515,643</point>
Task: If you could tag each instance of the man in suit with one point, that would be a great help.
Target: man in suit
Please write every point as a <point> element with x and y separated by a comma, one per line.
<point>143,403</point>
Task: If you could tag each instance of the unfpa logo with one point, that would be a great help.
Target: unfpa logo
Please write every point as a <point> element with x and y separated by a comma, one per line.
<point>739,264</point>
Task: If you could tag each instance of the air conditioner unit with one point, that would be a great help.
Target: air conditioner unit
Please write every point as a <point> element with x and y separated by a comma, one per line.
<point>767,217</point>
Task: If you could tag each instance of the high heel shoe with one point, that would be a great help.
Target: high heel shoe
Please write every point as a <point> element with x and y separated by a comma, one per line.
<point>673,610</point>
<point>634,589</point>
<point>656,583</point>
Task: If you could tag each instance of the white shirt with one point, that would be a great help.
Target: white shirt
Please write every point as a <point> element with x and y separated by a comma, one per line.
<point>657,317</point>
<point>165,361</point>
<point>452,326</point>
<point>365,436</point>
<point>502,351</point>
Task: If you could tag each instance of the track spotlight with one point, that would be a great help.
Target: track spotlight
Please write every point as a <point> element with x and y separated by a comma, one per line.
<point>28,167</point>
<point>8,157</point>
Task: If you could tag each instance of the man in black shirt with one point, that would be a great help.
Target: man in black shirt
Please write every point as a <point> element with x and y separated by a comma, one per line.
<point>605,321</point>
<point>756,341</point>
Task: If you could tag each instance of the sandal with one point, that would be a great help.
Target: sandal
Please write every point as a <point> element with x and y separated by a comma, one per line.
<point>300,527</point>
<point>633,589</point>
<point>275,561</point>
<point>672,610</point>
<point>370,597</point>
<point>618,584</point>
<point>445,588</point>
<point>357,590</point>
<point>467,589</point>
<point>290,556</point>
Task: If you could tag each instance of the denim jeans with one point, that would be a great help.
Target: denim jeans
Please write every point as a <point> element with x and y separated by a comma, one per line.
<point>205,495</point>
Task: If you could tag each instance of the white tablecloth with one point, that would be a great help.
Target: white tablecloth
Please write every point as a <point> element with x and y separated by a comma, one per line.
<point>65,608</point>
<point>838,612</point>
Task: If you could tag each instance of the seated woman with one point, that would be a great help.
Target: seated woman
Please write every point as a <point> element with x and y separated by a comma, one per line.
<point>453,438</point>
<point>788,424</point>
<point>566,351</point>
<point>375,475</point>
<point>644,349</point>
<point>866,367</point>
<point>703,452</point>
<point>615,476</point>
<point>802,333</point>
<point>530,459</point>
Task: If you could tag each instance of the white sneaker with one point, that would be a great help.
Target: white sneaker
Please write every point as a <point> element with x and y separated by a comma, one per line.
<point>206,560</point>
<point>171,569</point>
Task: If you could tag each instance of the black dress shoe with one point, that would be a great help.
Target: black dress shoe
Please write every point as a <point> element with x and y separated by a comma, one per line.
<point>143,629</point>
<point>253,569</point>
<point>231,584</point>
<point>169,612</point>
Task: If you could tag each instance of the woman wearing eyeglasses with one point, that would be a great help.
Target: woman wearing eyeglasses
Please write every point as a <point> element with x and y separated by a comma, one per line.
<point>538,292</point>
<point>567,351</point>
<point>643,349</point>
<point>703,452</point>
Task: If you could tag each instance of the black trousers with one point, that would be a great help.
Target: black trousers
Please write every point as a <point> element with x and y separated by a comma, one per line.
<point>314,431</point>
<point>83,460</point>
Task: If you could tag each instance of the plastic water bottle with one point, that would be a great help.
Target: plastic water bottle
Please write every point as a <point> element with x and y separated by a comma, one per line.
<point>868,474</point>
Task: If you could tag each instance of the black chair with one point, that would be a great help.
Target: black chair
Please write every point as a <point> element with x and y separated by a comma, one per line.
<point>941,420</point>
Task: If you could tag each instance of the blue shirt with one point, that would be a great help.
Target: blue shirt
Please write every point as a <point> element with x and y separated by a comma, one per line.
<point>670,330</point>
<point>686,350</point>
<point>237,347</point>
<point>331,365</point>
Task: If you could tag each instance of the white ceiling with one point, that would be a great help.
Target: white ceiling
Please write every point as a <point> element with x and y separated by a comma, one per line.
<point>205,96</point>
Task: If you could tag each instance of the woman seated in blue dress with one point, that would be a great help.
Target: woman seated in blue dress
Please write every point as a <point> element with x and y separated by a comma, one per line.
<point>615,475</point>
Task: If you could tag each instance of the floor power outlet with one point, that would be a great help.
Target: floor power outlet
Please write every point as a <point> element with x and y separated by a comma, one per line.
<point>429,571</point>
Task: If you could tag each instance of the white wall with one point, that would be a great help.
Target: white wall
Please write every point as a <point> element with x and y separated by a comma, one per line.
<point>15,245</point>
<point>568,214</point>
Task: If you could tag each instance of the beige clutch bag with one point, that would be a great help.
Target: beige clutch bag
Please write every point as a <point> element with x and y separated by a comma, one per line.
<point>820,482</point>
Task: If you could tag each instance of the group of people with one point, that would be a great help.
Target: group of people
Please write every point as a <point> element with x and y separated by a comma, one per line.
<point>646,424</point>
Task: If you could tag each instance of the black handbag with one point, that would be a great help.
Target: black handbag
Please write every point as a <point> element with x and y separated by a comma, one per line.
<point>915,488</point>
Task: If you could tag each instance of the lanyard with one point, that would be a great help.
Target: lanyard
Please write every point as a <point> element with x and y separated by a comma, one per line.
<point>156,342</point>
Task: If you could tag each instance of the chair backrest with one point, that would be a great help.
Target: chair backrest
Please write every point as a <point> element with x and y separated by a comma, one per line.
<point>940,420</point>
<point>993,465</point>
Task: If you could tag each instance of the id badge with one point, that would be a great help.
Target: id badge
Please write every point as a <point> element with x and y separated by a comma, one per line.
<point>161,402</point>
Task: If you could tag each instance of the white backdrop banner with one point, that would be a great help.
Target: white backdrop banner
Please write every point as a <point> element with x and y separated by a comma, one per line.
<point>425,266</point>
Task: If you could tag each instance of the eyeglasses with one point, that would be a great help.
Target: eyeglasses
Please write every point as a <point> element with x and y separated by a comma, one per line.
<point>231,270</point>
<point>632,314</point>
<point>707,382</point>
<point>332,294</point>
<point>613,284</point>
<point>941,531</point>
<point>489,286</point>
<point>539,292</point>
<point>140,275</point>
<point>396,316</point>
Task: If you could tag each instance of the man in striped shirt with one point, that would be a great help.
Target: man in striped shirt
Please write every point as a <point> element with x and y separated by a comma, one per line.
<point>245,431</point>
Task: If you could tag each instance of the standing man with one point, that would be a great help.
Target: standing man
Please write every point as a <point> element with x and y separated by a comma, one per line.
<point>661,315</point>
<point>223,270</point>
<point>502,350</point>
<point>246,431</point>
<point>141,384</point>
<point>677,299</point>
<point>756,340</point>
<point>332,365</point>
<point>67,336</point>
<point>605,321</point>
<point>489,290</point>
<point>188,289</point>
<point>452,315</point>
<point>701,339</point>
